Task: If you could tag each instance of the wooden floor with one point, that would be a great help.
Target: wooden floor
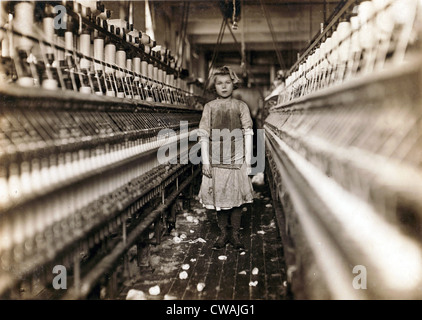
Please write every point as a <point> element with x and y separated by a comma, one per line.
<point>258,273</point>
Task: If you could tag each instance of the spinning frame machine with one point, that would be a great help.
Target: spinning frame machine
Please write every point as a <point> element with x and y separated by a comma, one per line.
<point>344,152</point>
<point>82,107</point>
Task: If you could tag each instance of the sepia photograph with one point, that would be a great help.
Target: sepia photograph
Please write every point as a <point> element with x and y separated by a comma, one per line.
<point>211,156</point>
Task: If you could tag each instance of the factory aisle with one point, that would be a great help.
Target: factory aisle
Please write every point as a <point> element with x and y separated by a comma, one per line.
<point>184,266</point>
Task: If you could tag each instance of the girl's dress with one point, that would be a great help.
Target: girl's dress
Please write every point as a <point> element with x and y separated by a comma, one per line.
<point>229,185</point>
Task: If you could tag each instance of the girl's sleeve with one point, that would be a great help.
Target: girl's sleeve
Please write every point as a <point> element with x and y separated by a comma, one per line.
<point>205,125</point>
<point>245,118</point>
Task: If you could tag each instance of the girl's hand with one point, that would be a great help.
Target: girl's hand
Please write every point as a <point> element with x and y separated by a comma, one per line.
<point>206,170</point>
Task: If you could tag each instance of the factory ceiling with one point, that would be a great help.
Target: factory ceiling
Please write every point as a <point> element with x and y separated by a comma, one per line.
<point>271,33</point>
<point>265,35</point>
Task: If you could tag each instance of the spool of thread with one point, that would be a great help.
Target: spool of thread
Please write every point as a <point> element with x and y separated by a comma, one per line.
<point>150,72</point>
<point>25,81</point>
<point>144,70</point>
<point>173,80</point>
<point>118,23</point>
<point>344,29</point>
<point>120,26</point>
<point>155,74</point>
<point>334,48</point>
<point>91,4</point>
<point>85,89</point>
<point>85,12</point>
<point>165,76</point>
<point>328,46</point>
<point>321,59</point>
<point>68,42</point>
<point>354,43</point>
<point>23,23</point>
<point>137,67</point>
<point>99,53</point>
<point>403,10</point>
<point>85,48</point>
<point>76,7</point>
<point>110,56</point>
<point>129,65</point>
<point>14,182</point>
<point>50,84</point>
<point>5,48</point>
<point>145,39</point>
<point>312,62</point>
<point>48,27</point>
<point>136,35</point>
<point>160,76</point>
<point>60,53</point>
<point>366,35</point>
<point>157,50</point>
<point>121,62</point>
<point>384,20</point>
<point>168,79</point>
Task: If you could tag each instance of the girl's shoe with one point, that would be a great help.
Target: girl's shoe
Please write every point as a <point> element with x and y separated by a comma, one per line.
<point>235,241</point>
<point>221,242</point>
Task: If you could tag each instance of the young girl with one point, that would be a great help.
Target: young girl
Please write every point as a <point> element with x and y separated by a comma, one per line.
<point>225,133</point>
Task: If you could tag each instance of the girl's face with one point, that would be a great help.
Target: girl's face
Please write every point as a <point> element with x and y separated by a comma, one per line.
<point>223,86</point>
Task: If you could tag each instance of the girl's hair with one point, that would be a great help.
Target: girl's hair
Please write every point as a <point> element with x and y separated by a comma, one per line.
<point>224,71</point>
